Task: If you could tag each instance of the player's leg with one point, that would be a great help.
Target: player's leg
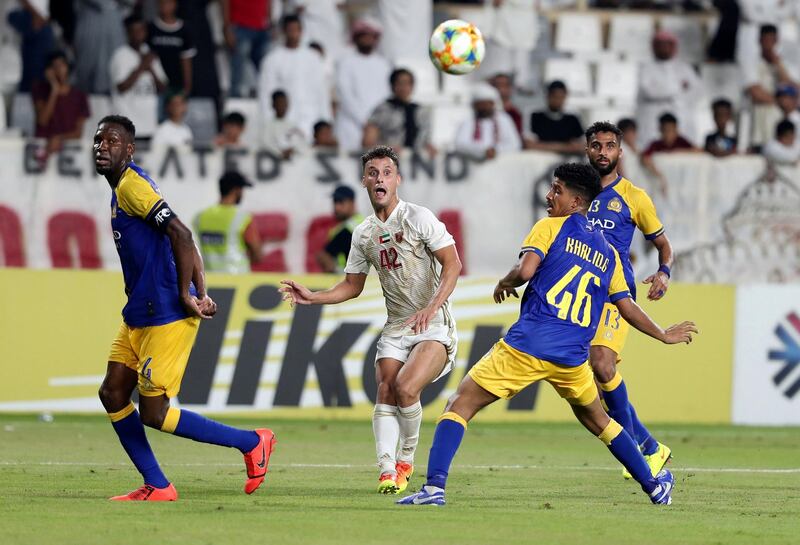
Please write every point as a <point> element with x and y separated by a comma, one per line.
<point>164,352</point>
<point>385,421</point>
<point>615,393</point>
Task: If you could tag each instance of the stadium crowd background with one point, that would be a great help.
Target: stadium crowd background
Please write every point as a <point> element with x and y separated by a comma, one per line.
<point>727,73</point>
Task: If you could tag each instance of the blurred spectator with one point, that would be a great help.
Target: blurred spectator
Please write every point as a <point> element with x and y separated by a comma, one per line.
<point>512,31</point>
<point>666,84</point>
<point>246,30</point>
<point>324,136</point>
<point>670,141</point>
<point>784,149</point>
<point>719,143</point>
<point>63,14</point>
<point>299,72</point>
<point>37,40</point>
<point>229,240</point>
<point>98,33</point>
<point>173,131</point>
<point>398,122</point>
<point>205,78</point>
<point>137,79</point>
<point>630,134</point>
<point>323,22</point>
<point>362,82</point>
<point>61,109</point>
<point>486,131</point>
<point>722,47</point>
<point>232,128</point>
<point>333,257</point>
<point>504,83</point>
<point>407,28</point>
<point>281,135</point>
<point>171,40</point>
<point>761,79</point>
<point>786,98</point>
<point>554,130</point>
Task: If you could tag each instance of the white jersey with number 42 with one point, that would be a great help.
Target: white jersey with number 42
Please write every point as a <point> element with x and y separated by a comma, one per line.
<point>401,250</point>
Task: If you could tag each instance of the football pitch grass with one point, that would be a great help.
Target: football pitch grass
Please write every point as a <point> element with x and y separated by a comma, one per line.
<point>511,483</point>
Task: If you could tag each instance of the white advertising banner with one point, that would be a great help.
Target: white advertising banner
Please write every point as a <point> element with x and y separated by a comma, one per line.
<point>766,378</point>
<point>730,220</point>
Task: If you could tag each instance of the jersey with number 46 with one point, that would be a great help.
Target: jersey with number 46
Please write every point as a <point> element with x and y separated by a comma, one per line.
<point>562,303</point>
<point>401,250</point>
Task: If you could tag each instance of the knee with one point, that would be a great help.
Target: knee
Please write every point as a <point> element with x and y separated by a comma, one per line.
<point>450,402</point>
<point>604,367</point>
<point>405,393</point>
<point>385,394</point>
<point>112,400</point>
<point>151,418</point>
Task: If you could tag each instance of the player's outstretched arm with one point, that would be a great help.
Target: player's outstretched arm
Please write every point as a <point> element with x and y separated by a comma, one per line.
<point>518,275</point>
<point>184,250</point>
<point>659,281</point>
<point>451,268</point>
<point>638,318</point>
<point>349,288</point>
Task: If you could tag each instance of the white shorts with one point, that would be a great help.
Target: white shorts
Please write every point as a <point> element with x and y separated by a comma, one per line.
<point>400,347</point>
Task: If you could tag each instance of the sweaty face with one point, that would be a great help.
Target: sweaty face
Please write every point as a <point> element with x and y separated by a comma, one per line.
<point>603,152</point>
<point>560,200</point>
<point>112,148</point>
<point>381,179</point>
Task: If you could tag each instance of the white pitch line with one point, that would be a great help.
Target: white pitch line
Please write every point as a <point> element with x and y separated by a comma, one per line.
<point>370,466</point>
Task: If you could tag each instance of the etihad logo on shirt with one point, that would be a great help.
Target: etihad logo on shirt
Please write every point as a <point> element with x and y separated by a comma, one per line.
<point>788,334</point>
<point>384,238</point>
<point>615,205</point>
<point>603,224</point>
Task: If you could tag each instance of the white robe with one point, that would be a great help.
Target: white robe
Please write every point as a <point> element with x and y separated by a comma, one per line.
<point>362,82</point>
<point>498,132</point>
<point>300,73</point>
<point>667,86</point>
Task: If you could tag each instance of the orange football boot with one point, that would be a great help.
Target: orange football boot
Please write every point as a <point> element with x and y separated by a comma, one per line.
<point>404,473</point>
<point>257,460</point>
<point>149,493</point>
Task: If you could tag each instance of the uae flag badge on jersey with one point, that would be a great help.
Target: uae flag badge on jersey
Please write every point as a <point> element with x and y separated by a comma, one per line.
<point>384,238</point>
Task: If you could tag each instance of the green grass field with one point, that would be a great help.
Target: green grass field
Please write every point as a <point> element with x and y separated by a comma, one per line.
<point>511,483</point>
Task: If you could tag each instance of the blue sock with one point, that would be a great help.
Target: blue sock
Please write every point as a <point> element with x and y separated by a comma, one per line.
<point>615,394</point>
<point>446,440</point>
<point>625,449</point>
<point>131,434</point>
<point>191,425</point>
<point>646,441</point>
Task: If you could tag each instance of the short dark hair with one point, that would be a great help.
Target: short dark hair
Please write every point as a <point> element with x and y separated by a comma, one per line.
<point>122,121</point>
<point>627,123</point>
<point>784,127</point>
<point>319,125</point>
<point>378,152</point>
<point>231,180</point>
<point>555,85</point>
<point>233,118</point>
<point>132,20</point>
<point>721,103</point>
<point>581,178</point>
<point>289,19</point>
<point>767,29</point>
<point>603,126</point>
<point>56,54</point>
<point>397,72</point>
<point>279,93</point>
<point>667,118</point>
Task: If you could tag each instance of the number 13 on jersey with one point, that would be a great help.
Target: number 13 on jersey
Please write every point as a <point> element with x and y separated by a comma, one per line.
<point>573,304</point>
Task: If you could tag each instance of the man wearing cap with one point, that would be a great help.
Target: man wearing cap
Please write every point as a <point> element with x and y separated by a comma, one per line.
<point>362,82</point>
<point>229,241</point>
<point>333,257</point>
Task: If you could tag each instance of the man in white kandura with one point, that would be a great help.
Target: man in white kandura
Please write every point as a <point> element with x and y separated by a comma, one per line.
<point>418,267</point>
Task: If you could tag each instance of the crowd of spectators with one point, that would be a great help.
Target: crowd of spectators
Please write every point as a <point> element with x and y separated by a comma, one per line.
<point>322,75</point>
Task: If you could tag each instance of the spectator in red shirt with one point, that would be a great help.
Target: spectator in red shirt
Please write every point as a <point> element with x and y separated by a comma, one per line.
<point>246,28</point>
<point>670,141</point>
<point>61,109</point>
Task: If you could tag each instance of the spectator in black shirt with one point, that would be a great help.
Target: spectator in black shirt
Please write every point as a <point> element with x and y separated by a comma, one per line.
<point>719,143</point>
<point>172,41</point>
<point>552,129</point>
<point>333,257</point>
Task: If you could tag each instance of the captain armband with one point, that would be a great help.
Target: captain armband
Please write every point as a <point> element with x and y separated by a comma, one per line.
<point>160,216</point>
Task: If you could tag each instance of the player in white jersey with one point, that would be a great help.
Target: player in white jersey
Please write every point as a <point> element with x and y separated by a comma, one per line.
<point>418,267</point>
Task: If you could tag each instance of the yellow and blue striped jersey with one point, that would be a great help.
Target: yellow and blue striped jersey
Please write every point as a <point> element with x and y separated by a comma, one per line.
<point>145,252</point>
<point>562,303</point>
<point>618,210</point>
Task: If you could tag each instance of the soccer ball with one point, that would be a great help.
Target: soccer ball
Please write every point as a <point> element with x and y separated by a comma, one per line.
<point>456,47</point>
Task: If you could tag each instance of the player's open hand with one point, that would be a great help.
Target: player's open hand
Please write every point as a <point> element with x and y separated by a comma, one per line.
<point>295,293</point>
<point>680,333</point>
<point>659,284</point>
<point>419,321</point>
<point>501,292</point>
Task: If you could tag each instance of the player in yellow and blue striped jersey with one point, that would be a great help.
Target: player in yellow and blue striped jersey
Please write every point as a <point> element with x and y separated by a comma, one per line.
<point>619,209</point>
<point>571,271</point>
